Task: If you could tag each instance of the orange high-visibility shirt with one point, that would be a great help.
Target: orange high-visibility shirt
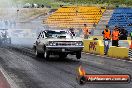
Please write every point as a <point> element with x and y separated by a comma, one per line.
<point>115,35</point>
<point>86,30</point>
<point>107,34</point>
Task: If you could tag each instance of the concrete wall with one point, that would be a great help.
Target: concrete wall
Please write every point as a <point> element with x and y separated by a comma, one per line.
<point>97,47</point>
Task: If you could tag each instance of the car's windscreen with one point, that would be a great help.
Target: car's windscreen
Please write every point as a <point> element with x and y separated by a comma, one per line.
<point>57,34</point>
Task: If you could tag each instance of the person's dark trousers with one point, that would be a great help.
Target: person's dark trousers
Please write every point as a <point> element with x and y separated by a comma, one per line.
<point>126,38</point>
<point>115,43</point>
<point>106,46</point>
<point>86,36</point>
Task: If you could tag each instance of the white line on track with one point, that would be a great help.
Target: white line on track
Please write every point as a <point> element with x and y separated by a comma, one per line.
<point>8,78</point>
<point>124,60</point>
<point>118,59</point>
<point>130,61</point>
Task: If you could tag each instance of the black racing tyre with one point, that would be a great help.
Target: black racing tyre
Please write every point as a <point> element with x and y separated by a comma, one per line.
<point>46,54</point>
<point>78,55</point>
<point>37,54</point>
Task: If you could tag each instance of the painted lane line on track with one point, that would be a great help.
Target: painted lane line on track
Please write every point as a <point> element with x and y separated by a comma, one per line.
<point>123,60</point>
<point>130,61</point>
<point>8,78</point>
<point>118,59</point>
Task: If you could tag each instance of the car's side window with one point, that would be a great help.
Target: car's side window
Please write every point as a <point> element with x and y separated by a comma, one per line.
<point>39,35</point>
<point>43,35</point>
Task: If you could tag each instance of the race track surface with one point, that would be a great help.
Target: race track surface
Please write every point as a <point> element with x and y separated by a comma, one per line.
<point>28,71</point>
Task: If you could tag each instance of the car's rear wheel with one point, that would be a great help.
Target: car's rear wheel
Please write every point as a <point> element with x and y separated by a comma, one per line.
<point>78,55</point>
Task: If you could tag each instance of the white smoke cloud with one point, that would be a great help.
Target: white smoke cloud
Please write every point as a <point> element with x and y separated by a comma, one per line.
<point>9,19</point>
<point>6,3</point>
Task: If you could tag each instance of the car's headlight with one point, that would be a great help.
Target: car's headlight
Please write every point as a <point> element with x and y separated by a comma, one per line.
<point>52,43</point>
<point>79,43</point>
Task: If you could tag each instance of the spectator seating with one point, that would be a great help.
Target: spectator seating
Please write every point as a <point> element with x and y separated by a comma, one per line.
<point>72,16</point>
<point>122,17</point>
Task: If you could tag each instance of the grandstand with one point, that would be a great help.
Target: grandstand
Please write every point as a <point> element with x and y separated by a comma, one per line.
<point>72,16</point>
<point>75,16</point>
<point>103,22</point>
<point>121,17</point>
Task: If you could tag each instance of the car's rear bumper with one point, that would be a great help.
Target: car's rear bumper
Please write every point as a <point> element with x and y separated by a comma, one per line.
<point>64,48</point>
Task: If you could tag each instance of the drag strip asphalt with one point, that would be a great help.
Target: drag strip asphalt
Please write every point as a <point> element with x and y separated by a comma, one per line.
<point>27,71</point>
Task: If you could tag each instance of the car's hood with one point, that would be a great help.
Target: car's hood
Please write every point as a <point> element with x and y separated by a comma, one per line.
<point>64,39</point>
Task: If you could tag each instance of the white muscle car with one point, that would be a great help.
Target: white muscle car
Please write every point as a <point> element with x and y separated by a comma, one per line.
<point>57,42</point>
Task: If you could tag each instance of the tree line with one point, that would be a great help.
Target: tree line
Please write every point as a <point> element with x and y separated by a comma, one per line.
<point>115,2</point>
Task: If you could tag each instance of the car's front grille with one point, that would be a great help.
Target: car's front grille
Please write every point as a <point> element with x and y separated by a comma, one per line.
<point>65,43</point>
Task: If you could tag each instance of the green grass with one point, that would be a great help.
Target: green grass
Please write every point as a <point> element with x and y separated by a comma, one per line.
<point>51,3</point>
<point>57,3</point>
<point>113,2</point>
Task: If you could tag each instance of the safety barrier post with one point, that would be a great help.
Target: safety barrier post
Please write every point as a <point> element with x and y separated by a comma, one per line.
<point>130,51</point>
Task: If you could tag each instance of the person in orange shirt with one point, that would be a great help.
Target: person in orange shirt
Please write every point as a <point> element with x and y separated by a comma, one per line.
<point>115,36</point>
<point>86,32</point>
<point>107,37</point>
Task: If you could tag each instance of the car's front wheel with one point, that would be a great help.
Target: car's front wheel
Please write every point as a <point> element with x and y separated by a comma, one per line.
<point>78,55</point>
<point>46,54</point>
<point>37,54</point>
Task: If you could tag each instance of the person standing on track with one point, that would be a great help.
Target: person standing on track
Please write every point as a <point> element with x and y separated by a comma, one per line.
<point>115,36</point>
<point>107,37</point>
<point>123,34</point>
<point>126,34</point>
<point>86,32</point>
